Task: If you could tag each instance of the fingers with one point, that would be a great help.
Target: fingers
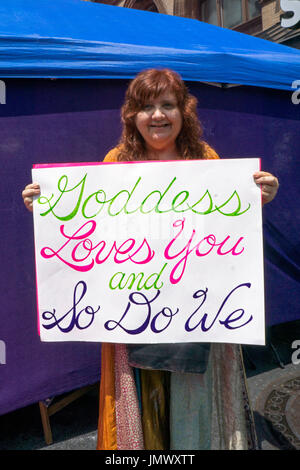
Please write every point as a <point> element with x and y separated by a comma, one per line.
<point>269,185</point>
<point>262,177</point>
<point>31,190</point>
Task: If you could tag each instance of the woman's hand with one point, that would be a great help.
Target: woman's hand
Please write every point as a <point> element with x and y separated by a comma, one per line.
<point>32,189</point>
<point>269,185</point>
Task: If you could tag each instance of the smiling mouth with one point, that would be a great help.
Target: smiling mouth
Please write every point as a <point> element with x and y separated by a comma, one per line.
<point>159,125</point>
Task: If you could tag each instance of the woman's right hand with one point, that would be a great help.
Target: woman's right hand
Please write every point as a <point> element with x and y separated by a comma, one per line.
<point>32,189</point>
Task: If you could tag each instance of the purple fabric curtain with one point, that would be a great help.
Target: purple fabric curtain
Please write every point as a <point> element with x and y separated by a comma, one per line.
<point>47,121</point>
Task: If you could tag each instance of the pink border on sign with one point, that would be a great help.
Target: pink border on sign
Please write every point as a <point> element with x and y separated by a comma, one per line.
<point>37,300</point>
<point>57,165</point>
<point>261,184</point>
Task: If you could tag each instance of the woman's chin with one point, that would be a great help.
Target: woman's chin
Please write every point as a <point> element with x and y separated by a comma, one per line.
<point>161,140</point>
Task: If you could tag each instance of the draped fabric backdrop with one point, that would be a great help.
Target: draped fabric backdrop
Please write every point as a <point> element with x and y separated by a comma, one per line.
<point>78,120</point>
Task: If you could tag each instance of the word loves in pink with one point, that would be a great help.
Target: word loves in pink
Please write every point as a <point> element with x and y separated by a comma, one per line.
<point>80,253</point>
<point>83,243</point>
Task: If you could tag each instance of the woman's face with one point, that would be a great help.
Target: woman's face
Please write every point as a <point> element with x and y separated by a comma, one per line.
<point>159,122</point>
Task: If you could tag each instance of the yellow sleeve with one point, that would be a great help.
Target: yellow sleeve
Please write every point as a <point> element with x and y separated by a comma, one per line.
<point>209,153</point>
<point>112,155</point>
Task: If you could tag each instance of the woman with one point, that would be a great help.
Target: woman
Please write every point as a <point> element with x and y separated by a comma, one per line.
<point>163,403</point>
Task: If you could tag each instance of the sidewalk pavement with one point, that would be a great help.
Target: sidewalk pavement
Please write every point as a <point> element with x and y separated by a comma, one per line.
<point>274,389</point>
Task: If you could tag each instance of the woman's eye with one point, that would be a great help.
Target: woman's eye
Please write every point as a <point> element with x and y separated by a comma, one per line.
<point>169,105</point>
<point>147,107</point>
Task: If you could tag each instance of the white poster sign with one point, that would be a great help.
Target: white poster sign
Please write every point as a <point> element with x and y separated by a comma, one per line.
<point>150,252</point>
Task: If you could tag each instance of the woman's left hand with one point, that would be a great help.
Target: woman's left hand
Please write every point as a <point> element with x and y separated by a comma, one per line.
<point>269,185</point>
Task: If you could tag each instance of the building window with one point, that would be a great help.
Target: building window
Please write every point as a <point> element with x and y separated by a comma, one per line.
<point>232,13</point>
<point>229,13</point>
<point>147,5</point>
<point>254,9</point>
<point>210,12</point>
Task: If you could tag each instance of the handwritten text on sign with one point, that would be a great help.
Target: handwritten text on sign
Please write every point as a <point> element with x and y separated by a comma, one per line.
<point>150,252</point>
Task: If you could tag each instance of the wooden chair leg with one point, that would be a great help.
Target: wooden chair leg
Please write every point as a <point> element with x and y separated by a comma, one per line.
<point>46,423</point>
<point>47,411</point>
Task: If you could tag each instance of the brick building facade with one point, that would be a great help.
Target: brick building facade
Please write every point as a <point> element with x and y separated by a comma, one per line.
<point>260,18</point>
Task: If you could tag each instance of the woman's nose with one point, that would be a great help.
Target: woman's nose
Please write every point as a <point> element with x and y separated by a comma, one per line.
<point>157,113</point>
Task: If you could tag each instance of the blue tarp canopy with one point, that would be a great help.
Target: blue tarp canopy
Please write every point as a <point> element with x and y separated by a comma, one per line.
<point>79,39</point>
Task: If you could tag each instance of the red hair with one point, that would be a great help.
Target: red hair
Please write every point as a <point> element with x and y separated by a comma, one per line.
<point>147,85</point>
